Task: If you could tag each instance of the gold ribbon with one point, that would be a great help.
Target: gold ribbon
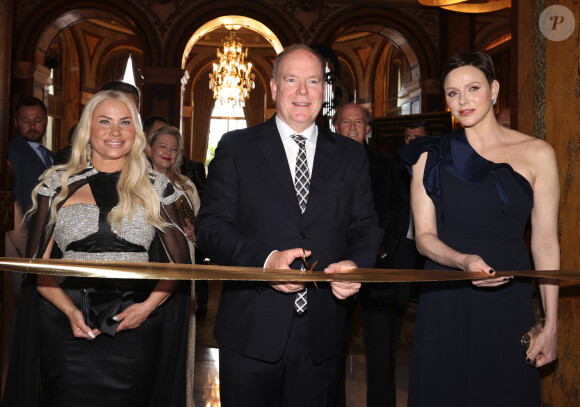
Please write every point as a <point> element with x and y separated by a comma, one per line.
<point>165,271</point>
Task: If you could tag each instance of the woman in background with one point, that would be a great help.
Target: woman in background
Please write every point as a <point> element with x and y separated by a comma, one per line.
<point>165,148</point>
<point>473,192</point>
<point>99,341</point>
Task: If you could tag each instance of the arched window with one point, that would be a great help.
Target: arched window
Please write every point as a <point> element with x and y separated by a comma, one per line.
<point>116,64</point>
<point>224,118</point>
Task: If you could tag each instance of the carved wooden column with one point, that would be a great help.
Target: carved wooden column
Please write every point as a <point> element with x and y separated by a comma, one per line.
<point>548,100</point>
<point>562,123</point>
<point>6,193</point>
<point>6,16</point>
<point>163,93</point>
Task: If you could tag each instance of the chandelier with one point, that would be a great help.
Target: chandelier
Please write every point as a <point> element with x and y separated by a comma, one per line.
<point>232,79</point>
<point>469,6</point>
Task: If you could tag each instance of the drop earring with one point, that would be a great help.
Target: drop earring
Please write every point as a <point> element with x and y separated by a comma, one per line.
<point>493,100</point>
<point>89,153</point>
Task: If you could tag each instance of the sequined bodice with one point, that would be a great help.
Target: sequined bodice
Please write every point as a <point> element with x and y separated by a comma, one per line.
<point>79,235</point>
<point>82,231</point>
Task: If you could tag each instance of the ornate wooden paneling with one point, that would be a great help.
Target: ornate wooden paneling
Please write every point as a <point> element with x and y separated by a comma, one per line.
<point>548,107</point>
<point>562,129</point>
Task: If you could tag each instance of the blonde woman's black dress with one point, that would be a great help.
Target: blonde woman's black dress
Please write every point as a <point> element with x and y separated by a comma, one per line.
<point>138,367</point>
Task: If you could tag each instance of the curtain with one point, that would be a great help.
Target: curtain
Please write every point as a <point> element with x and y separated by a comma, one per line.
<point>203,103</point>
<point>115,63</point>
<point>114,66</point>
<point>254,109</point>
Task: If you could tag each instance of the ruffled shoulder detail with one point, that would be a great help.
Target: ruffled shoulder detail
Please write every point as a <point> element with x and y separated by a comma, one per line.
<point>165,191</point>
<point>457,156</point>
<point>436,146</point>
<point>52,184</point>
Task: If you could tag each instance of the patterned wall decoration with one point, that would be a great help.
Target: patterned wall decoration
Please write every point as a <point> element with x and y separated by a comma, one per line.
<point>23,8</point>
<point>307,16</point>
<point>428,20</point>
<point>164,12</point>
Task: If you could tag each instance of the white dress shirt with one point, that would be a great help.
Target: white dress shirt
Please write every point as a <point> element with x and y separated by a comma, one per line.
<point>291,147</point>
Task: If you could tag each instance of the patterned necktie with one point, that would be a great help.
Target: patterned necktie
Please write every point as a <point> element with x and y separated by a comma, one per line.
<point>302,175</point>
<point>302,186</point>
<point>45,155</point>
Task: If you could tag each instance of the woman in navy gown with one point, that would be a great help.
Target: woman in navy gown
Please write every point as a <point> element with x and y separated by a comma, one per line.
<point>473,191</point>
<point>99,341</point>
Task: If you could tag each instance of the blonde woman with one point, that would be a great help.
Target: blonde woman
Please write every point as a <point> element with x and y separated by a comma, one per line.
<point>96,342</point>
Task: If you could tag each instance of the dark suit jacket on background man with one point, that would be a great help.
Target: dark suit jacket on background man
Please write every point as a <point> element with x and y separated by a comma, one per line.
<point>26,167</point>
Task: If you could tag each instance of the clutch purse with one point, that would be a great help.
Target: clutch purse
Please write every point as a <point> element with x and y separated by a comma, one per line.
<point>531,336</point>
<point>100,306</point>
<point>185,211</point>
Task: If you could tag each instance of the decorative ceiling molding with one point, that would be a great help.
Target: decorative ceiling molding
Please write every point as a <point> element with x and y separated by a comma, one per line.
<point>428,21</point>
<point>307,16</point>
<point>164,12</point>
<point>363,53</point>
<point>92,42</point>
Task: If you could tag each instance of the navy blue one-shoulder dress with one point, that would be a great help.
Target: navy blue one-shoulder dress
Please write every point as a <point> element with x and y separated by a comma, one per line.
<point>466,350</point>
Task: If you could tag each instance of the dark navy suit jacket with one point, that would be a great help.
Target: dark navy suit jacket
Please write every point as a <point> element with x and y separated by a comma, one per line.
<point>249,209</point>
<point>26,167</point>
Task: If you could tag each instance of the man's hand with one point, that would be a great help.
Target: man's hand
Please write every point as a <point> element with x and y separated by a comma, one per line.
<point>342,289</point>
<point>282,260</point>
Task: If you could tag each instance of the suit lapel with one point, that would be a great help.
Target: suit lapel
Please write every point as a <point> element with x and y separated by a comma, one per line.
<point>271,146</point>
<point>322,171</point>
<point>32,152</point>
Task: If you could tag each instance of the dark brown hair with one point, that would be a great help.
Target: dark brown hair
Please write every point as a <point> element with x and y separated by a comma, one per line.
<point>479,60</point>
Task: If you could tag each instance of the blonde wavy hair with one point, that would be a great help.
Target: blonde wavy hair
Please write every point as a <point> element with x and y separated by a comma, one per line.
<point>173,172</point>
<point>134,186</point>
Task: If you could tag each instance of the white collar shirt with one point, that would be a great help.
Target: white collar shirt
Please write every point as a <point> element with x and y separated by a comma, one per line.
<point>291,147</point>
<point>36,147</point>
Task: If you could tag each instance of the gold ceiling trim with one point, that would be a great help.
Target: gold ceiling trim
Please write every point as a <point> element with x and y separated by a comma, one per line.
<point>468,6</point>
<point>478,7</point>
<point>164,271</point>
<point>439,3</point>
<point>225,21</point>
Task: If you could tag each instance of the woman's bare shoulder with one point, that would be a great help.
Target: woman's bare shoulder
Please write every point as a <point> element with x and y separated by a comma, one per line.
<point>532,147</point>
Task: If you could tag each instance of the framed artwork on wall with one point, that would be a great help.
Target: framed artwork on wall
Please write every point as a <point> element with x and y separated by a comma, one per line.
<point>388,132</point>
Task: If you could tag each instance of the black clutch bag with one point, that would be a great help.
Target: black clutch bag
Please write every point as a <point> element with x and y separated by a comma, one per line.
<point>100,306</point>
<point>185,211</point>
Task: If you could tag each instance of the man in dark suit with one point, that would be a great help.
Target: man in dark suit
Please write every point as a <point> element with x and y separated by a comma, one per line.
<point>378,299</point>
<point>407,256</point>
<point>28,158</point>
<point>272,191</point>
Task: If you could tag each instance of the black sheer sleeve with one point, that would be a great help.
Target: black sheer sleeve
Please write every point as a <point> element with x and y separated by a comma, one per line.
<point>38,236</point>
<point>170,388</point>
<point>173,237</point>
